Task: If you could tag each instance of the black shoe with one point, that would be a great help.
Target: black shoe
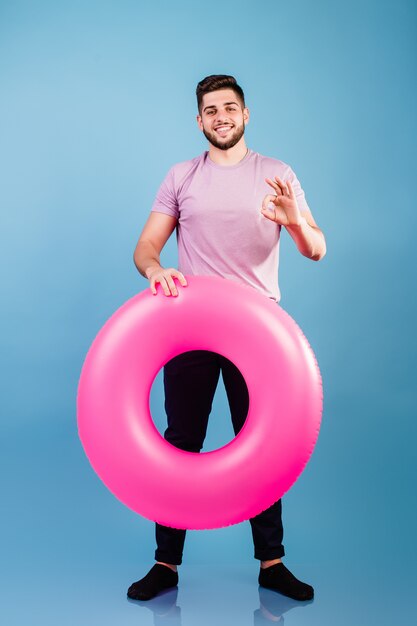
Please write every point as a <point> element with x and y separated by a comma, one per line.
<point>158,578</point>
<point>278,578</point>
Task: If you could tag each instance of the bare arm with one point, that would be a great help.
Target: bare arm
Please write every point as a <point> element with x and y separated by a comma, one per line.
<point>308,237</point>
<point>154,236</point>
<point>302,227</point>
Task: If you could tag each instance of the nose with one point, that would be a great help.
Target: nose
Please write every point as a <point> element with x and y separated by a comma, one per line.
<point>221,117</point>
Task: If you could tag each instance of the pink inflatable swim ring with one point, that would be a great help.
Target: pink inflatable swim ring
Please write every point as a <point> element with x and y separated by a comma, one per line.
<point>241,479</point>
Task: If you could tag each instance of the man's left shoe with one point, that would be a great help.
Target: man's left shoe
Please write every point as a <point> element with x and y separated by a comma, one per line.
<point>278,578</point>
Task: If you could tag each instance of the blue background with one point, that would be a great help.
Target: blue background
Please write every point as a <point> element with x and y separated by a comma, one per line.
<point>96,103</point>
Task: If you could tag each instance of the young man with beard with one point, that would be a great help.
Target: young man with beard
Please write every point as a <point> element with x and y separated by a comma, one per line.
<point>227,225</point>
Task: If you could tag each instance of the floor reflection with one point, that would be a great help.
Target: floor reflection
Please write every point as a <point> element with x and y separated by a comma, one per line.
<point>273,606</point>
<point>164,608</point>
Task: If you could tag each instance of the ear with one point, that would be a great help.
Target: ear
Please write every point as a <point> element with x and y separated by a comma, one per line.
<point>246,115</point>
<point>200,122</point>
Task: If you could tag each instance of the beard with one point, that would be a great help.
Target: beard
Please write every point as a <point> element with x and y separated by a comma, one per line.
<point>237,135</point>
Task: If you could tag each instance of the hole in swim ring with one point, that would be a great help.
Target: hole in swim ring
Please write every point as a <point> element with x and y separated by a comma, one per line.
<point>199,398</point>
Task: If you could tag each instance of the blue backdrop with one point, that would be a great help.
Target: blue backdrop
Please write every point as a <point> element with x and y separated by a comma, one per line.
<point>96,103</point>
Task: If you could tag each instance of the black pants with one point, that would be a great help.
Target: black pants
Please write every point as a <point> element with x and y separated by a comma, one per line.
<point>190,381</point>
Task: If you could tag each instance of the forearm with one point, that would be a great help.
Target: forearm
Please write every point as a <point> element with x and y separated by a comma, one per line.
<point>309,240</point>
<point>146,258</point>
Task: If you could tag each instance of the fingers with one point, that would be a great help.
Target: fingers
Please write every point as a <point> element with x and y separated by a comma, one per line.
<point>279,186</point>
<point>274,185</point>
<point>291,190</point>
<point>268,211</point>
<point>170,287</point>
<point>181,278</point>
<point>165,278</point>
<point>284,209</point>
<point>269,214</point>
<point>283,186</point>
<point>161,280</point>
<point>269,199</point>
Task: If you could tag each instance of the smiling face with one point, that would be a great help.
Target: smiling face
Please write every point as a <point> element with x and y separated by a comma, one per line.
<point>222,118</point>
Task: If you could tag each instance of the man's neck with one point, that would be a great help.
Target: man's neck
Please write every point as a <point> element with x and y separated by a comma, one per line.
<point>228,157</point>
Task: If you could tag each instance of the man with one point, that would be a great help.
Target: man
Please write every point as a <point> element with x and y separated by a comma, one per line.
<point>227,225</point>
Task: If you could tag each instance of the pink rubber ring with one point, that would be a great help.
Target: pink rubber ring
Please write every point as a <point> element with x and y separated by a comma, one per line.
<point>224,486</point>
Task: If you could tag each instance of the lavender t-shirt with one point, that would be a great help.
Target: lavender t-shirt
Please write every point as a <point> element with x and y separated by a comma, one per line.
<point>220,228</point>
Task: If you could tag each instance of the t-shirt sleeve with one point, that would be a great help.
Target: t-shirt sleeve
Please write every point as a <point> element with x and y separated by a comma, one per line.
<point>166,197</point>
<point>298,190</point>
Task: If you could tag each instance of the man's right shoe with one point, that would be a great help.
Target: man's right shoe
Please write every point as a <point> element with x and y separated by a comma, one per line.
<point>159,578</point>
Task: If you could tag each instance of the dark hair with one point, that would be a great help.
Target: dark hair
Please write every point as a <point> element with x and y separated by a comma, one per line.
<point>216,82</point>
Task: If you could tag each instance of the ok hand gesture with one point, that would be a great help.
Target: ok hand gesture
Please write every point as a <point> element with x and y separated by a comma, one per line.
<point>285,210</point>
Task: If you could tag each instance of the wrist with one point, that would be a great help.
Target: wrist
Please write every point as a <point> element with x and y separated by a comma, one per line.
<point>150,270</point>
<point>302,222</point>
